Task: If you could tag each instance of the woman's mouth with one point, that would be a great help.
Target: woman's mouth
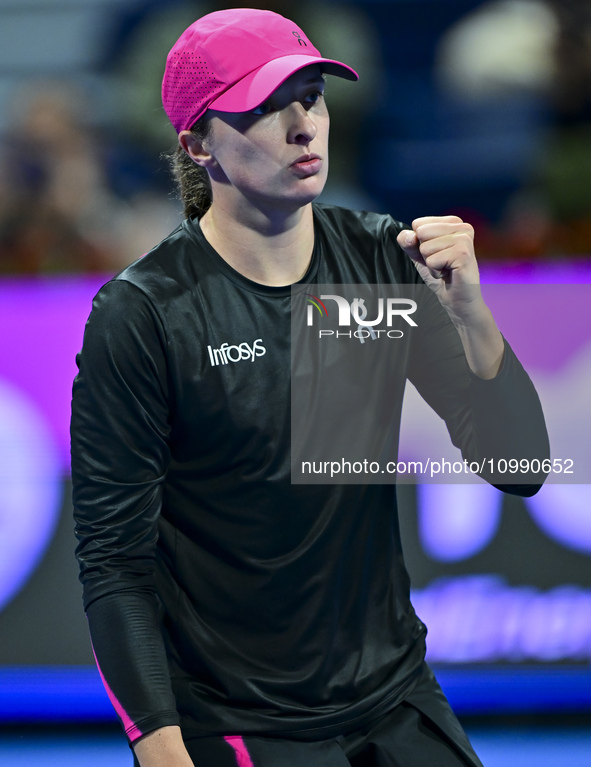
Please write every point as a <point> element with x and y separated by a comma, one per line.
<point>307,165</point>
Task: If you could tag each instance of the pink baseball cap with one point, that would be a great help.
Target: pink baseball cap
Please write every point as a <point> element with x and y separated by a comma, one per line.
<point>233,60</point>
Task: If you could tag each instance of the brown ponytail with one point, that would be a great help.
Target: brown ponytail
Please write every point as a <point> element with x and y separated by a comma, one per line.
<point>192,181</point>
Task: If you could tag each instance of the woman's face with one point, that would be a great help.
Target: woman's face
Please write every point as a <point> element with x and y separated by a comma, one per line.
<point>277,154</point>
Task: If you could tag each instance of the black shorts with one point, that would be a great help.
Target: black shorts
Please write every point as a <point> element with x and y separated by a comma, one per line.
<point>422,731</point>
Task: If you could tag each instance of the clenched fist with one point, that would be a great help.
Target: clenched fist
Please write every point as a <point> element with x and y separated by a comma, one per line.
<point>442,248</point>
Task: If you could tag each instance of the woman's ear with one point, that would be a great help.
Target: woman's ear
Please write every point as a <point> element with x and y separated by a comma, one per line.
<point>195,148</point>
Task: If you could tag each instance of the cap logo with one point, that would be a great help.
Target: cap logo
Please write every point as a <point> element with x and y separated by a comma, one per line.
<point>300,40</point>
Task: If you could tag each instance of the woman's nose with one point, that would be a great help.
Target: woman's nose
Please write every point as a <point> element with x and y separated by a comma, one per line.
<point>302,128</point>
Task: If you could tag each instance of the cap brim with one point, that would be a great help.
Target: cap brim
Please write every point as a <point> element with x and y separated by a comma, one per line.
<point>257,86</point>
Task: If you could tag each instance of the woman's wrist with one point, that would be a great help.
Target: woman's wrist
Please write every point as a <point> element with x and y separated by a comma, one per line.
<point>162,748</point>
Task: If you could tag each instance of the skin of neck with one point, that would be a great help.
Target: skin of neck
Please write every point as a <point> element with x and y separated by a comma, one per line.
<point>271,245</point>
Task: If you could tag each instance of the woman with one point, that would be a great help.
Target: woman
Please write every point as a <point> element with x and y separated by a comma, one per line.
<point>237,618</point>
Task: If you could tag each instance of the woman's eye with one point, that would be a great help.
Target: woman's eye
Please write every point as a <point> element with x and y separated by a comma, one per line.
<point>314,97</point>
<point>262,109</point>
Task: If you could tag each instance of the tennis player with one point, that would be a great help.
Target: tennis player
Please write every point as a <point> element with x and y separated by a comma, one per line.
<point>240,620</point>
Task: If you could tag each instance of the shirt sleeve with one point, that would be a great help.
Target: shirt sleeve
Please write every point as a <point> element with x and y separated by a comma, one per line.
<point>120,432</point>
<point>493,421</point>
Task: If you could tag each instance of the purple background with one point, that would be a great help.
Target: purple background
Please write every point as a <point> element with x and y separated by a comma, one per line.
<point>41,328</point>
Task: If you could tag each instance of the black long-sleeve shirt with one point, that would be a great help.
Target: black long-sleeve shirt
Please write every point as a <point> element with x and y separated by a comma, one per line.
<point>220,595</point>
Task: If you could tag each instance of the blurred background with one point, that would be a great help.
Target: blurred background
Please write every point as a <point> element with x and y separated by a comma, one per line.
<point>482,109</point>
